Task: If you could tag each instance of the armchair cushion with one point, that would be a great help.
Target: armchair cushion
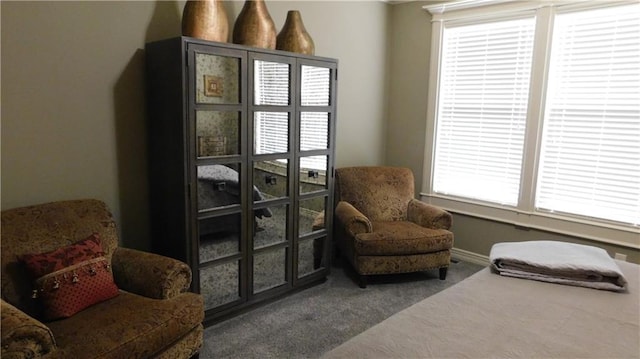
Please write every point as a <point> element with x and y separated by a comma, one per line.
<point>128,326</point>
<point>402,238</point>
<point>71,278</point>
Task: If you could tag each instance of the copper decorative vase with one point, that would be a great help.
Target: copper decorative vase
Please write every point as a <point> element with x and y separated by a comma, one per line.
<point>254,26</point>
<point>294,37</point>
<point>205,19</point>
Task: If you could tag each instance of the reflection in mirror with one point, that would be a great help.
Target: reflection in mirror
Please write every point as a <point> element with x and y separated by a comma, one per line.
<point>217,133</point>
<point>269,269</point>
<point>315,86</point>
<point>271,178</point>
<point>270,132</point>
<point>271,83</point>
<point>219,236</point>
<point>218,186</point>
<point>271,230</point>
<point>311,215</point>
<point>217,79</point>
<point>310,256</point>
<point>314,131</point>
<point>220,284</point>
<point>313,173</point>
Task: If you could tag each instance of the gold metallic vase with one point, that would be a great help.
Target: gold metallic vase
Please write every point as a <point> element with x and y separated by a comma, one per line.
<point>205,19</point>
<point>254,26</point>
<point>294,37</point>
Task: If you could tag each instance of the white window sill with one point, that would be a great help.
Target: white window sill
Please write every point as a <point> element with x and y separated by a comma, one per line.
<point>602,232</point>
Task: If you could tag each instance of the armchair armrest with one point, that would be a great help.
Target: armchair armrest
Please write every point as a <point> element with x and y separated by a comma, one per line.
<point>428,216</point>
<point>149,274</point>
<point>352,220</point>
<point>22,335</point>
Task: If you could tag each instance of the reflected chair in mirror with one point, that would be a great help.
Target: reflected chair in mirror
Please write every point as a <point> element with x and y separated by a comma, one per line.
<point>380,228</point>
<point>70,291</point>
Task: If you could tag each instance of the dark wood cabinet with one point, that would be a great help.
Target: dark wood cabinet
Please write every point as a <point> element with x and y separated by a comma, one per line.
<point>241,167</point>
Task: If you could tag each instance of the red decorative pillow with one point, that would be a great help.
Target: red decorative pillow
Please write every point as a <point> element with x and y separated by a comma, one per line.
<point>71,278</point>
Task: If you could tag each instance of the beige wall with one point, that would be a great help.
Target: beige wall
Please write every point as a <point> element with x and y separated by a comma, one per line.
<point>410,42</point>
<point>73,118</point>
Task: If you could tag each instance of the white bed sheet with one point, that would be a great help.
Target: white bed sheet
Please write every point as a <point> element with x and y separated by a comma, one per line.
<point>491,316</point>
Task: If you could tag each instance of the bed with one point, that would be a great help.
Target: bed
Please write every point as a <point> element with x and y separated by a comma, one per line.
<point>492,316</point>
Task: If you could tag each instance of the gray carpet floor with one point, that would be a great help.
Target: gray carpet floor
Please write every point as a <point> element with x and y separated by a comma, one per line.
<point>311,322</point>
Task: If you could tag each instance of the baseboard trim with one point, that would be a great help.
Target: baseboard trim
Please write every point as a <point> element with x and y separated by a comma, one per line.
<point>468,256</point>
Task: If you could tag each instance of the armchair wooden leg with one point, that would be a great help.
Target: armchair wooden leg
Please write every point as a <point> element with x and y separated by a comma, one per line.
<point>443,273</point>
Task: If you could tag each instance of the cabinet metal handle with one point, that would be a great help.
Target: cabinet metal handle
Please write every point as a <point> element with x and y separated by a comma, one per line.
<point>271,180</point>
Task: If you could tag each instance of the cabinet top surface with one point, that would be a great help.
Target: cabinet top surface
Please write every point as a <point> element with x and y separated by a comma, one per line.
<point>192,40</point>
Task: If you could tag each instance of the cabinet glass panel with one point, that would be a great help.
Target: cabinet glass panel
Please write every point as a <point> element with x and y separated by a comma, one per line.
<point>313,173</point>
<point>271,228</point>
<point>217,133</point>
<point>270,179</point>
<point>220,284</point>
<point>271,83</point>
<point>310,255</point>
<point>219,236</point>
<point>311,215</point>
<point>218,186</point>
<point>269,269</point>
<point>270,132</point>
<point>316,82</point>
<point>217,79</point>
<point>314,131</point>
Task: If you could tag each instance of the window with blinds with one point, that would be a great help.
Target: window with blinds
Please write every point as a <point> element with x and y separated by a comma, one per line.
<point>590,154</point>
<point>534,115</point>
<point>483,93</point>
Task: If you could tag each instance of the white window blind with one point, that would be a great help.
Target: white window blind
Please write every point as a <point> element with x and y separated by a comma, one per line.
<point>590,157</point>
<point>482,108</point>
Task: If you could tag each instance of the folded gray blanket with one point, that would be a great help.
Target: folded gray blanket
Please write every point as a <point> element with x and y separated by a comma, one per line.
<point>558,262</point>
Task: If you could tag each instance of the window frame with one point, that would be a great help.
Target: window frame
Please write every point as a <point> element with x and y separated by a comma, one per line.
<point>524,215</point>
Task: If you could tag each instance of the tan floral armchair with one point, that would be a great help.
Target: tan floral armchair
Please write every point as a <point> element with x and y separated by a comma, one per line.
<point>382,229</point>
<point>152,315</point>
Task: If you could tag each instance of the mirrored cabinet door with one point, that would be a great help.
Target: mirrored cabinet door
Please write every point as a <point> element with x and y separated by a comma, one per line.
<point>312,235</point>
<point>218,185</point>
<point>270,132</point>
<point>220,284</point>
<point>269,269</point>
<point>315,86</point>
<point>271,83</point>
<point>217,79</point>
<point>313,174</point>
<point>314,131</point>
<point>217,133</point>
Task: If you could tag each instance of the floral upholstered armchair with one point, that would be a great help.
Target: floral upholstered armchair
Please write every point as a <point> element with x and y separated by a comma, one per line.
<point>69,291</point>
<point>382,229</point>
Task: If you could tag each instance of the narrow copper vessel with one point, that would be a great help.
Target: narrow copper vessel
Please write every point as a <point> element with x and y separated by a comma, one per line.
<point>254,26</point>
<point>294,37</point>
<point>205,19</point>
